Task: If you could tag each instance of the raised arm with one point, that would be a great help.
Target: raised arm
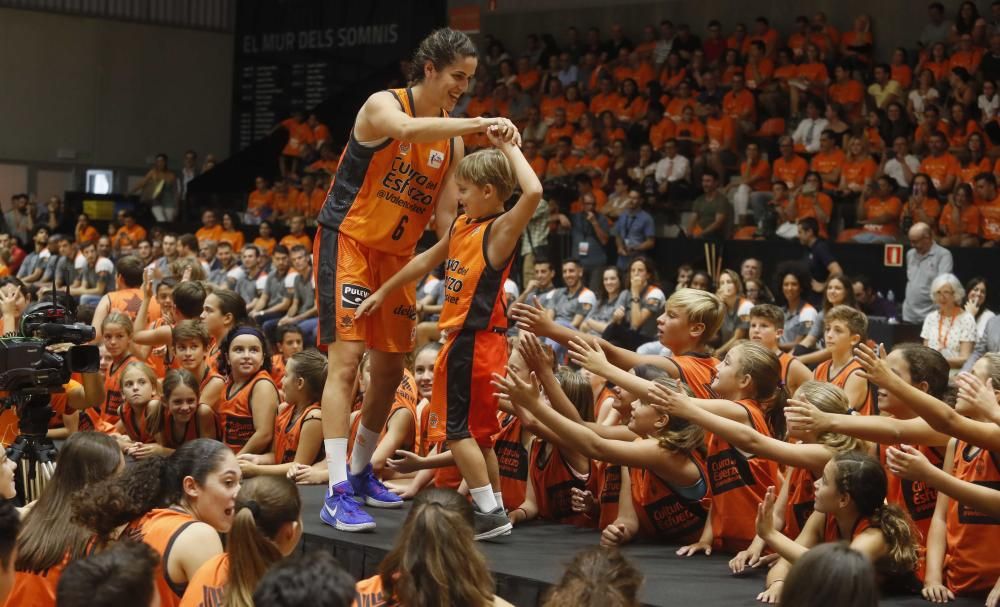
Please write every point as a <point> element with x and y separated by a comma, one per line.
<point>909,463</point>
<point>509,227</point>
<point>879,429</point>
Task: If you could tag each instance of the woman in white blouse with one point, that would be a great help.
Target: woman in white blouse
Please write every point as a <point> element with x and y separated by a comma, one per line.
<point>950,330</point>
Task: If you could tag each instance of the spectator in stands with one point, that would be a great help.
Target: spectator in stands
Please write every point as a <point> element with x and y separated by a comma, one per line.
<point>644,170</point>
<point>635,323</point>
<point>938,29</point>
<point>84,231</point>
<point>899,164</point>
<point>856,46</point>
<point>789,168</point>
<point>949,329</point>
<point>673,173</point>
<point>923,205</point>
<point>610,297</point>
<point>34,264</point>
<point>297,234</point>
<point>735,321</point>
<point>968,24</point>
<point>55,218</point>
<point>302,311</point>
<point>589,235</point>
<point>276,296</point>
<point>925,261</point>
<point>563,162</point>
<point>250,280</point>
<point>126,239</point>
<point>260,202</point>
<point>93,280</point>
<point>541,283</point>
<point>309,201</point>
<point>813,203</point>
<point>227,270</point>
<point>940,165</point>
<point>231,231</point>
<point>104,247</point>
<point>690,132</point>
<point>884,90</point>
<point>19,219</point>
<point>828,161</point>
<point>719,155</point>
<point>61,265</point>
<point>989,209</point>
<point>989,67</point>
<point>161,267</point>
<point>869,300</point>
<point>634,231</point>
<point>752,189</point>
<point>534,128</point>
<point>189,170</point>
<point>959,220</point>
<point>808,134</point>
<point>975,303</point>
<point>210,228</point>
<point>300,138</point>
<point>569,305</point>
<point>158,190</point>
<point>820,259</point>
<point>878,215</point>
<point>713,213</point>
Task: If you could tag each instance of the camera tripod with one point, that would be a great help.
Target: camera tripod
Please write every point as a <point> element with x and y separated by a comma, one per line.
<point>32,451</point>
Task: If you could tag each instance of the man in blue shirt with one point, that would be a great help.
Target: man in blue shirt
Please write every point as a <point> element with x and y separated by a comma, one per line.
<point>633,231</point>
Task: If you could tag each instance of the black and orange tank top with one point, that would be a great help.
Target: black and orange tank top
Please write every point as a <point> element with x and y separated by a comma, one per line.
<point>370,593</point>
<point>513,460</point>
<point>113,399</point>
<point>288,430</point>
<point>553,482</point>
<point>384,196</point>
<point>207,587</point>
<point>738,482</point>
<point>822,373</point>
<point>916,497</point>
<point>697,371</point>
<point>136,424</point>
<point>160,528</point>
<point>173,439</point>
<point>970,564</point>
<point>235,414</point>
<point>801,498</point>
<point>606,484</point>
<point>474,298</point>
<point>663,514</point>
<point>831,533</point>
<point>127,301</point>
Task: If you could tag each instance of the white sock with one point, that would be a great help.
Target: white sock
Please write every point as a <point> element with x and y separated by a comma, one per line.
<point>336,459</point>
<point>498,497</point>
<point>365,443</point>
<point>485,500</point>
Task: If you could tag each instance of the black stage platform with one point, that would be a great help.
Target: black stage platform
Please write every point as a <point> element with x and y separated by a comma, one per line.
<point>534,556</point>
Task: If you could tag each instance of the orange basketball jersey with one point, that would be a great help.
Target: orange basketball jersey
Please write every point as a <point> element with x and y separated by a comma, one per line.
<point>822,373</point>
<point>738,482</point>
<point>697,371</point>
<point>171,439</point>
<point>553,481</point>
<point>916,497</point>
<point>235,414</point>
<point>113,399</point>
<point>801,496</point>
<point>663,514</point>
<point>159,530</point>
<point>513,459</point>
<point>970,564</point>
<point>384,196</point>
<point>474,298</point>
<point>208,585</point>
<point>288,430</point>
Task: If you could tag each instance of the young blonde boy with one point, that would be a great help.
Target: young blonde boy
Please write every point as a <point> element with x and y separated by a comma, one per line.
<point>477,252</point>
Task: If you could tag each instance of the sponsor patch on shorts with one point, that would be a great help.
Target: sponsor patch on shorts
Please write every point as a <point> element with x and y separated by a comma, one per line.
<point>351,296</point>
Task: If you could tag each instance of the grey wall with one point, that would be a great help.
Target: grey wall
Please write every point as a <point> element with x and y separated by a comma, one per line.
<point>110,93</point>
<point>896,22</point>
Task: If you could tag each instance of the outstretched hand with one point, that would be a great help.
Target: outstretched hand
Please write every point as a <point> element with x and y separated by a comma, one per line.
<point>531,318</point>
<point>519,392</point>
<point>806,417</point>
<point>765,514</point>
<point>537,357</point>
<point>909,463</point>
<point>588,354</point>
<point>874,367</point>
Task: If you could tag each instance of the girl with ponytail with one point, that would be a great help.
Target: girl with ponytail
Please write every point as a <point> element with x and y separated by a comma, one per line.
<point>178,505</point>
<point>850,506</point>
<point>749,381</point>
<point>266,528</point>
<point>435,562</point>
<point>297,439</point>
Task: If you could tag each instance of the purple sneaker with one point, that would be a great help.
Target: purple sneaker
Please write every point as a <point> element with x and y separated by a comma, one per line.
<point>340,511</point>
<point>372,491</point>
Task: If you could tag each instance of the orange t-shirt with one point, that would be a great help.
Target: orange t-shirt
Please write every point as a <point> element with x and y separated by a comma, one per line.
<point>290,240</point>
<point>813,72</point>
<point>555,133</point>
<point>721,131</point>
<point>791,172</point>
<point>478,107</point>
<point>848,92</point>
<point>901,74</point>
<point>529,80</point>
<point>989,220</point>
<point>113,397</point>
<point>970,60</point>
<point>765,69</point>
<point>661,131</point>
<point>568,164</point>
<point>538,165</point>
<point>825,162</point>
<point>260,200</point>
<point>159,529</point>
<point>916,497</point>
<point>804,207</point>
<point>859,171</point>
<point>740,106</point>
<point>675,108</point>
<point>266,245</point>
<point>213,233</point>
<point>601,102</point>
<point>967,174</point>
<point>575,109</point>
<point>875,207</point>
<point>786,72</point>
<point>940,168</point>
<point>968,220</point>
<point>87,234</point>
<point>309,204</point>
<point>548,105</point>
<point>235,238</point>
<point>300,134</point>
<point>760,175</point>
<point>128,237</point>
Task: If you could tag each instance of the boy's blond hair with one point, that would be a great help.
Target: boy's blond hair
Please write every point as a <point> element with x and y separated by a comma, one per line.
<point>700,307</point>
<point>769,312</point>
<point>857,322</point>
<point>488,167</point>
